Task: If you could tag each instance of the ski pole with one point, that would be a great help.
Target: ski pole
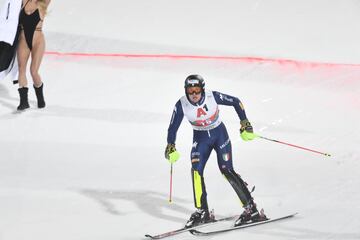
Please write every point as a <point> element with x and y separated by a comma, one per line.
<point>292,145</point>
<point>171,174</point>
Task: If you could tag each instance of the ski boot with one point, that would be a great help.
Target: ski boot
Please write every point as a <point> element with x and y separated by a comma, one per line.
<point>199,217</point>
<point>250,214</point>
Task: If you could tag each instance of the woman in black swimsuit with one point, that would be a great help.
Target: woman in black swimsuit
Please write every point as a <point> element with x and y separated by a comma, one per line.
<point>31,41</point>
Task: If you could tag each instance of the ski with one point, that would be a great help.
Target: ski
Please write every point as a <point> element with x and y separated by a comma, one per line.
<point>184,229</point>
<point>199,233</point>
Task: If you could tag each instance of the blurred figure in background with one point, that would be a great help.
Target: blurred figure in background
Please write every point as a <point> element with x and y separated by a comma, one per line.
<point>9,35</point>
<point>31,42</point>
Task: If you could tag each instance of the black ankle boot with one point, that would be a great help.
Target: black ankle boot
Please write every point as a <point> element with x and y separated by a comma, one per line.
<point>24,103</point>
<point>40,96</point>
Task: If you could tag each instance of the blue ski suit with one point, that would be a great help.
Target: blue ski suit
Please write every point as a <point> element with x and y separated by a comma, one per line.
<point>209,133</point>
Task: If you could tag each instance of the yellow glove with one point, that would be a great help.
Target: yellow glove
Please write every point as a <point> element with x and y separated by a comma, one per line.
<point>246,130</point>
<point>171,154</point>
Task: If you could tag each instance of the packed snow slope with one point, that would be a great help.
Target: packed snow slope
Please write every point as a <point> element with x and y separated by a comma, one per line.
<point>90,165</point>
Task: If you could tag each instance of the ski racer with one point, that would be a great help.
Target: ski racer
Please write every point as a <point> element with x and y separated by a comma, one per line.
<point>201,108</point>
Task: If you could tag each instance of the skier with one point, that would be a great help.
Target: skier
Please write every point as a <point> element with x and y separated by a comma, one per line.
<point>209,132</point>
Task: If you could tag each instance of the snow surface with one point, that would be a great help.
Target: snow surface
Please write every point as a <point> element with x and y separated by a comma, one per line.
<point>90,165</point>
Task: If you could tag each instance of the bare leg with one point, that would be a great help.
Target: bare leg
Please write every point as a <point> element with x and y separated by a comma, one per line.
<point>23,53</point>
<point>37,54</point>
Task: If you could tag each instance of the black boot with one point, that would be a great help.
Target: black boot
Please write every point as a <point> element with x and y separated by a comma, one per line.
<point>40,96</point>
<point>199,217</point>
<point>24,103</point>
<point>250,214</point>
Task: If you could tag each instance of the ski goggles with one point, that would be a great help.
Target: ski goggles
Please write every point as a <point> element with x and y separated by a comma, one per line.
<point>193,90</point>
